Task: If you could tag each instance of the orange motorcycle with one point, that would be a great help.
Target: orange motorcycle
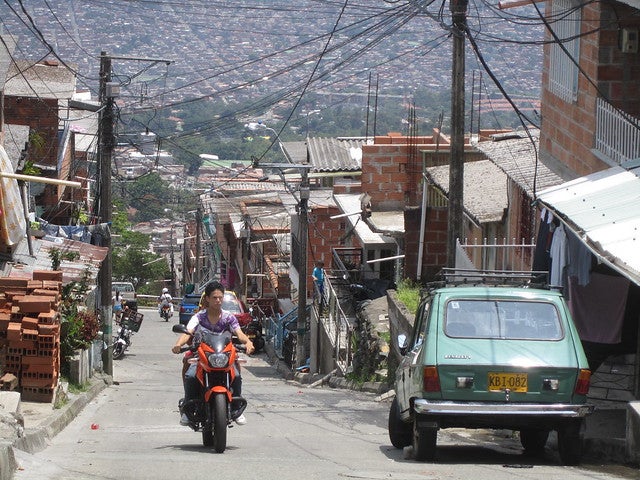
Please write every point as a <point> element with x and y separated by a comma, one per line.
<point>215,407</point>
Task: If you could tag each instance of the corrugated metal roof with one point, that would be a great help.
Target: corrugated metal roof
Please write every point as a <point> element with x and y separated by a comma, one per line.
<point>350,203</point>
<point>27,79</point>
<point>341,154</point>
<point>603,209</point>
<point>90,258</point>
<point>516,156</point>
<point>336,154</point>
<point>265,208</point>
<point>484,189</point>
<point>235,187</point>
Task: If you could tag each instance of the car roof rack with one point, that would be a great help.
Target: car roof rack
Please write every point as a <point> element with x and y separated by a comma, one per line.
<point>451,277</point>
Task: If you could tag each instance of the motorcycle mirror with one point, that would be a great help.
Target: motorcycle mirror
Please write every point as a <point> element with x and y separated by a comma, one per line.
<point>179,328</point>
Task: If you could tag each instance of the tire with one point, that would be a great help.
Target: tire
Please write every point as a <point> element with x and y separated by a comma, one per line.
<point>220,422</point>
<point>207,436</point>
<point>118,350</point>
<point>399,431</point>
<point>258,344</point>
<point>424,442</point>
<point>570,443</point>
<point>533,441</point>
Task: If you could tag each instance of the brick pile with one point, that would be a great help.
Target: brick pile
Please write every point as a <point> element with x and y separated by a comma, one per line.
<point>30,334</point>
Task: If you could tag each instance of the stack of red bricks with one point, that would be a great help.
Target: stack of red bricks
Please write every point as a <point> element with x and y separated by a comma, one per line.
<point>30,334</point>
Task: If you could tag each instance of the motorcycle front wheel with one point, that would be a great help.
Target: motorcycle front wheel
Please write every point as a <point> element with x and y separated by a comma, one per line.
<point>118,350</point>
<point>219,422</point>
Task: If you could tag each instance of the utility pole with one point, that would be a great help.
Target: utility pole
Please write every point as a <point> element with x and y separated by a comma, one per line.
<point>106,142</point>
<point>456,165</point>
<point>106,145</point>
<point>303,238</point>
<point>173,267</point>
<point>196,270</point>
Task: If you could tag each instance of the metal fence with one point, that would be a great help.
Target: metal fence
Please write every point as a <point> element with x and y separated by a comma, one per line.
<point>617,133</point>
<point>337,325</point>
<point>493,254</point>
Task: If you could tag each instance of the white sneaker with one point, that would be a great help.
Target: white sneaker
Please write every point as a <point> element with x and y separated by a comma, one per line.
<point>184,420</point>
<point>241,420</point>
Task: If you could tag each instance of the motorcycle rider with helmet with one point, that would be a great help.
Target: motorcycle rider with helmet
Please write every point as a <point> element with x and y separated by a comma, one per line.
<point>164,299</point>
<point>212,318</point>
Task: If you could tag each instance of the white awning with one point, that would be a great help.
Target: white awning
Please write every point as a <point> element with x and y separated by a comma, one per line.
<point>603,209</point>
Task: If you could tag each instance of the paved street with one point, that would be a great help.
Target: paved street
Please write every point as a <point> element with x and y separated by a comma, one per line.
<point>131,431</point>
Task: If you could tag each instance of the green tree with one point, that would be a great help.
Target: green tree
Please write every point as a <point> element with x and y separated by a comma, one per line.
<point>131,264</point>
<point>148,196</point>
<point>132,259</point>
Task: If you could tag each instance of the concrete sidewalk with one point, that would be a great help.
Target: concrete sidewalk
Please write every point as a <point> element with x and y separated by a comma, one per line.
<point>28,426</point>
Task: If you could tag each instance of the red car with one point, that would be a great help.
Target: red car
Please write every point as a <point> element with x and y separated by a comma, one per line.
<point>231,303</point>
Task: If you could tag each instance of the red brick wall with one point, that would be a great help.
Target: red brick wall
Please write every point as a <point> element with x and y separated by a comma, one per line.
<point>392,168</point>
<point>568,129</point>
<point>384,175</point>
<point>434,255</point>
<point>325,234</point>
<point>42,116</point>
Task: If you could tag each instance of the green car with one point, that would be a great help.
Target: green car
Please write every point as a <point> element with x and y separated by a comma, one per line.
<point>498,357</point>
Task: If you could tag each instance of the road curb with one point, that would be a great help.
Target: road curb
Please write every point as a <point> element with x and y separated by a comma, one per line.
<point>334,381</point>
<point>35,439</point>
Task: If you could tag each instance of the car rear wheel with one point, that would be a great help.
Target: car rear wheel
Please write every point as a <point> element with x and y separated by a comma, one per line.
<point>533,441</point>
<point>424,442</point>
<point>399,431</point>
<point>570,443</point>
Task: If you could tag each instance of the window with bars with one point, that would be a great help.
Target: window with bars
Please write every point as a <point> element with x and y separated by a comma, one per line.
<point>565,19</point>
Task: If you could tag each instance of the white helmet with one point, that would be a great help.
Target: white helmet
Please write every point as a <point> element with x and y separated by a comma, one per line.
<point>165,290</point>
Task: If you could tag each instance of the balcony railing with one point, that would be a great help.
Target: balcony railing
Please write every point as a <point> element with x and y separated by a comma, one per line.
<point>617,133</point>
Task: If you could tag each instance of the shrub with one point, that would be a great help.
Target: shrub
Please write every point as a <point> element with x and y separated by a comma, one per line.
<point>77,332</point>
<point>78,327</point>
<point>409,294</point>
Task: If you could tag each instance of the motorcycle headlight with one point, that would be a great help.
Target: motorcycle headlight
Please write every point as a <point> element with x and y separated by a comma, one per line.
<point>218,360</point>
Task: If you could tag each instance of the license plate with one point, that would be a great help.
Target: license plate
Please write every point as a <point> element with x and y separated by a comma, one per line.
<point>516,382</point>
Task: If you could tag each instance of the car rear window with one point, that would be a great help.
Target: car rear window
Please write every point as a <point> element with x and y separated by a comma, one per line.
<point>522,319</point>
<point>231,306</point>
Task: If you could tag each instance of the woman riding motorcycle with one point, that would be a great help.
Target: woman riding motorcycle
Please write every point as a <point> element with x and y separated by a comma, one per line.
<point>212,318</point>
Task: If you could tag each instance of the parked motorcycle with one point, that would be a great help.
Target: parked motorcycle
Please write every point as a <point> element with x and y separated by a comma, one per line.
<point>128,325</point>
<point>216,406</point>
<point>165,312</point>
<point>251,325</point>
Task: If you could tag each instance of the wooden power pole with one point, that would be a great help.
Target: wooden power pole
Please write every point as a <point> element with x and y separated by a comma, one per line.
<point>456,165</point>
<point>303,238</point>
<point>106,143</point>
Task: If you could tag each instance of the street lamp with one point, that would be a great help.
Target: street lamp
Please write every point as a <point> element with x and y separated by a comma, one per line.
<point>257,126</point>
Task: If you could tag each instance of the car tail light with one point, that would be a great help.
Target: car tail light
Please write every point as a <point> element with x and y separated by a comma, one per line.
<point>582,385</point>
<point>430,379</point>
